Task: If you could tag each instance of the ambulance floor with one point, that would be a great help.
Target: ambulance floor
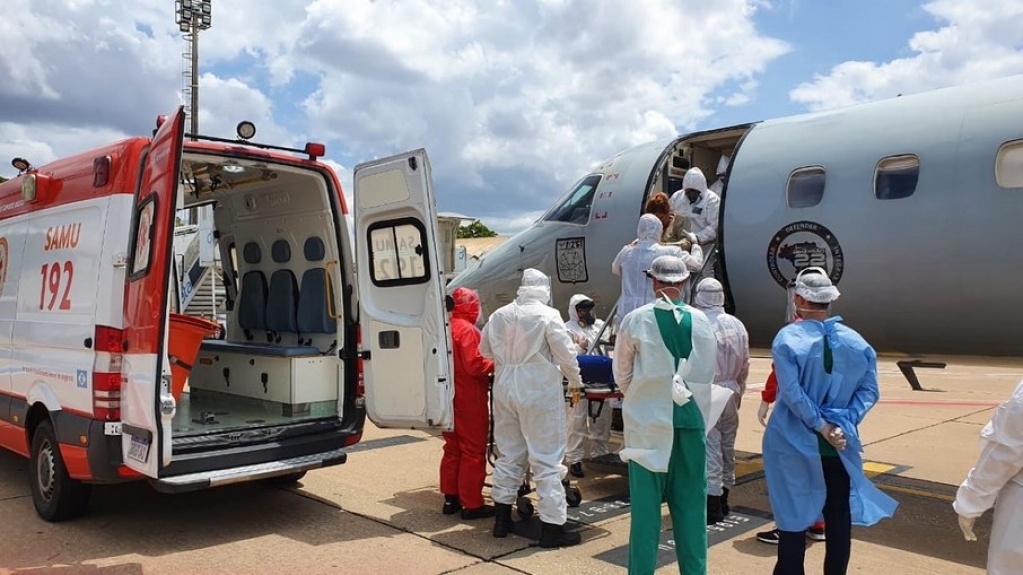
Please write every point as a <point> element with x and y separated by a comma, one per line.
<point>212,411</point>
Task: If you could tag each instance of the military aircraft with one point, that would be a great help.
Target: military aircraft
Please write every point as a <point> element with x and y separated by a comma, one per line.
<point>914,206</point>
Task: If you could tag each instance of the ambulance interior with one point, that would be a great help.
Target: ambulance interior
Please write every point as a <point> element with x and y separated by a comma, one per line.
<point>276,361</point>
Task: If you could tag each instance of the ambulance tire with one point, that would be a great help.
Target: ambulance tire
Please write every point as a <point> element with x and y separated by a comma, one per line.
<point>56,496</point>
<point>286,479</point>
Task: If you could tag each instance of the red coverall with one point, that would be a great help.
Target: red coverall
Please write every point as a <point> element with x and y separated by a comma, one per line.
<point>464,465</point>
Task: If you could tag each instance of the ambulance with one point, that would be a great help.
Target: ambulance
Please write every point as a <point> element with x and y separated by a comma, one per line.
<point>324,325</point>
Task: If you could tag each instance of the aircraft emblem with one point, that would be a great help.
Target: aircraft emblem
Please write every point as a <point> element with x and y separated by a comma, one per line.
<point>800,245</point>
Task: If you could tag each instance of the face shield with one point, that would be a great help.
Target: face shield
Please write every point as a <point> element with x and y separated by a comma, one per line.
<point>584,313</point>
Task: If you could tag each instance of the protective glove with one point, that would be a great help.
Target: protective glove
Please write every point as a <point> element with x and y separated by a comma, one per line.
<point>834,435</point>
<point>692,237</point>
<point>966,526</point>
<point>762,412</point>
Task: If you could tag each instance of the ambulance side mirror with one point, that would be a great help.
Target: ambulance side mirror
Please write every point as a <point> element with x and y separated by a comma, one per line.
<point>39,187</point>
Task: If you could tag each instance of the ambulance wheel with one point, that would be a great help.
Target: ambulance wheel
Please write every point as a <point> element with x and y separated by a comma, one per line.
<point>56,496</point>
<point>287,479</point>
<point>525,508</point>
<point>573,496</point>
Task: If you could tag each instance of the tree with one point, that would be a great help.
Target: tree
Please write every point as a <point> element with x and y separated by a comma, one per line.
<point>2,179</point>
<point>475,230</point>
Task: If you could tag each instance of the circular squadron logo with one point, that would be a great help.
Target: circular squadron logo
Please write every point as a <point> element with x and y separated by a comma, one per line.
<point>801,245</point>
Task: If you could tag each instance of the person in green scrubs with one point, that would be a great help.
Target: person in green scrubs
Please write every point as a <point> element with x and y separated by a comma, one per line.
<point>664,348</point>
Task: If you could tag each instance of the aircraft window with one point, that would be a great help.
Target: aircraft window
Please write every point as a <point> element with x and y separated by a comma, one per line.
<point>398,253</point>
<point>896,177</point>
<point>806,187</point>
<point>1009,165</point>
<point>575,207</point>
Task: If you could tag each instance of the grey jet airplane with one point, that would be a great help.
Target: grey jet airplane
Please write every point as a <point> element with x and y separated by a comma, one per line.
<point>912,204</point>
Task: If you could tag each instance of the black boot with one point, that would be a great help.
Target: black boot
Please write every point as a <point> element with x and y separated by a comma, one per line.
<point>552,536</point>
<point>503,524</point>
<point>714,513</point>
<point>481,512</point>
<point>576,469</point>
<point>725,509</point>
<point>451,505</point>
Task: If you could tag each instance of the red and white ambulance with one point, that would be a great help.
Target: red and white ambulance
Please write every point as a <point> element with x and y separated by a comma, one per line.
<point>319,332</point>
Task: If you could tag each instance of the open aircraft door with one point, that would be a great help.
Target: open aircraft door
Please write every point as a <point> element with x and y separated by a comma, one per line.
<point>405,337</point>
<point>147,405</point>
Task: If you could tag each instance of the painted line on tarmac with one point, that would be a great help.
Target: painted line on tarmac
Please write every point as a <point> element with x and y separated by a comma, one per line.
<point>384,442</point>
<point>942,402</point>
<point>916,492</point>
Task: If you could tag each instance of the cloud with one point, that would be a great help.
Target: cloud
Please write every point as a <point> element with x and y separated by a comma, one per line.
<point>973,44</point>
<point>513,100</point>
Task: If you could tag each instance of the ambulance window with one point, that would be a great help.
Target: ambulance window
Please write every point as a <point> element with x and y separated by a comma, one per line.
<point>574,208</point>
<point>398,253</point>
<point>806,187</point>
<point>143,240</point>
<point>1009,165</point>
<point>896,177</point>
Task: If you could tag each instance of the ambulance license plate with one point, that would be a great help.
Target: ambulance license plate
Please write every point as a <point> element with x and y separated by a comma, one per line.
<point>139,449</point>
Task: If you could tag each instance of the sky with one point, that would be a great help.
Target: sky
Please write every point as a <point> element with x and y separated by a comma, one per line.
<point>513,100</point>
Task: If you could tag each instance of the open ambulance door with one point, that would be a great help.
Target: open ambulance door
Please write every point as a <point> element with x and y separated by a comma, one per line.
<point>405,336</point>
<point>147,405</point>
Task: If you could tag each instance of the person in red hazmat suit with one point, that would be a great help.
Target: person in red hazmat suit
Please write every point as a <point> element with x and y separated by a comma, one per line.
<point>464,465</point>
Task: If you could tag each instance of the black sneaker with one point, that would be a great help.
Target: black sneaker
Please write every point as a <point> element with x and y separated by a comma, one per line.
<point>576,469</point>
<point>769,537</point>
<point>451,505</point>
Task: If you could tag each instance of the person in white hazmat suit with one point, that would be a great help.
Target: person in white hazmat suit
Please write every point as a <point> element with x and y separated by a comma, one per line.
<point>531,350</point>
<point>633,260</point>
<point>700,207</point>
<point>731,372</point>
<point>584,328</point>
<point>722,172</point>
<point>997,480</point>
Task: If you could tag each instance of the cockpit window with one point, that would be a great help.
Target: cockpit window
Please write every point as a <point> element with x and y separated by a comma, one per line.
<point>574,208</point>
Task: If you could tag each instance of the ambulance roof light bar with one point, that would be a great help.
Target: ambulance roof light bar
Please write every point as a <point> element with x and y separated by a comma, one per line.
<point>246,130</point>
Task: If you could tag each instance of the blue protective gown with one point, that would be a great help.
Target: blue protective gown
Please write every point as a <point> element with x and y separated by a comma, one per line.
<point>808,397</point>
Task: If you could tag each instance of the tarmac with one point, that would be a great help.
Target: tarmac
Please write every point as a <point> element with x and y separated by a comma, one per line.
<point>380,512</point>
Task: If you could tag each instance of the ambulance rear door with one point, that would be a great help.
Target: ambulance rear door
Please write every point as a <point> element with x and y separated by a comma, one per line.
<point>147,405</point>
<point>405,336</point>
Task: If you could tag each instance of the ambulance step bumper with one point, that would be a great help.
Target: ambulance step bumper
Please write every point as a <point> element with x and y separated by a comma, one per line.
<point>205,479</point>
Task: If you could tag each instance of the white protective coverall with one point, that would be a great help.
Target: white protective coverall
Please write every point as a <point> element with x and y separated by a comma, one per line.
<point>632,262</point>
<point>580,424</point>
<point>997,480</point>
<point>719,185</point>
<point>529,343</point>
<point>731,372</point>
<point>701,216</point>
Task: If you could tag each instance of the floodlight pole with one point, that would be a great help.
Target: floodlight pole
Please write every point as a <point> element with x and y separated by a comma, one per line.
<point>195,77</point>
